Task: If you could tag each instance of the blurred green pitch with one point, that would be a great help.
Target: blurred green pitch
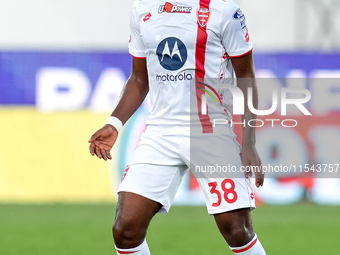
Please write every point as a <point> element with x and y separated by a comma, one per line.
<point>72,229</point>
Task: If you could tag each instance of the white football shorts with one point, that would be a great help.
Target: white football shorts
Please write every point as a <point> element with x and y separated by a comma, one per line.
<point>161,160</point>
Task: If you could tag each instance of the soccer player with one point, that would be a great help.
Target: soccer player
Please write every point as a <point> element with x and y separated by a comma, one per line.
<point>176,46</point>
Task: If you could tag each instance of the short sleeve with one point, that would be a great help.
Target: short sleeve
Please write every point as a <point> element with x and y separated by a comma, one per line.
<point>234,32</point>
<point>136,44</point>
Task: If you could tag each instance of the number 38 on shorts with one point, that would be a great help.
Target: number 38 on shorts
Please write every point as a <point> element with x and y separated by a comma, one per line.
<point>227,188</point>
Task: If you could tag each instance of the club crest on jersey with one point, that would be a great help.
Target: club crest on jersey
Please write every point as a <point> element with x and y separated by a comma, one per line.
<point>203,16</point>
<point>171,8</point>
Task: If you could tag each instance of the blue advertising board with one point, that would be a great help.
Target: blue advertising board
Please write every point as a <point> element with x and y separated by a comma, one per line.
<point>19,70</point>
<point>70,81</point>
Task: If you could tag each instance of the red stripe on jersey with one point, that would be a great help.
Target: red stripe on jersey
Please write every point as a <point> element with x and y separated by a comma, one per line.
<point>247,248</point>
<point>201,43</point>
<point>240,55</point>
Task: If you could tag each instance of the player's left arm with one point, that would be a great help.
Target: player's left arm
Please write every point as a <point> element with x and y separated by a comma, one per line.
<point>245,74</point>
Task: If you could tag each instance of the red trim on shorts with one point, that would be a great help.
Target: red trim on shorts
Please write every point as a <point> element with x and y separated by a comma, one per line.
<point>201,43</point>
<point>241,55</point>
<point>137,57</point>
<point>247,248</point>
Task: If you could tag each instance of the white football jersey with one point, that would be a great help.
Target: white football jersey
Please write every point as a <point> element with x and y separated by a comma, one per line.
<point>182,41</point>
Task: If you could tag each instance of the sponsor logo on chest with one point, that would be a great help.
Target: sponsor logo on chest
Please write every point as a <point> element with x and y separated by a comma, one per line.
<point>172,8</point>
<point>172,53</point>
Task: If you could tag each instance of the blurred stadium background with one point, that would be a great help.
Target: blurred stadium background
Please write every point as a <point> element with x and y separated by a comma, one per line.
<point>62,67</point>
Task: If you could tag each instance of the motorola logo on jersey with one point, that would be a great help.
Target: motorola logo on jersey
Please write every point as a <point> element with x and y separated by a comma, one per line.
<point>170,77</point>
<point>172,53</point>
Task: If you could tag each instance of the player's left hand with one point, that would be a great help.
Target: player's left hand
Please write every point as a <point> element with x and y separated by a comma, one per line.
<point>249,158</point>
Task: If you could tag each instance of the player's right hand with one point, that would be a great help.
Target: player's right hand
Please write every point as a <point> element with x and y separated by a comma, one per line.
<point>102,142</point>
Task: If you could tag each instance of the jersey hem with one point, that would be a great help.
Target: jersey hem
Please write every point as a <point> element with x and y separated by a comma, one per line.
<point>238,56</point>
<point>137,55</point>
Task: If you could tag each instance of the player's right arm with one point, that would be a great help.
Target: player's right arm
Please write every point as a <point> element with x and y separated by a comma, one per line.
<point>133,95</point>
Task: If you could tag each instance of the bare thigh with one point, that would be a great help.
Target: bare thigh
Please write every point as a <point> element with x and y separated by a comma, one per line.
<point>236,226</point>
<point>133,216</point>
